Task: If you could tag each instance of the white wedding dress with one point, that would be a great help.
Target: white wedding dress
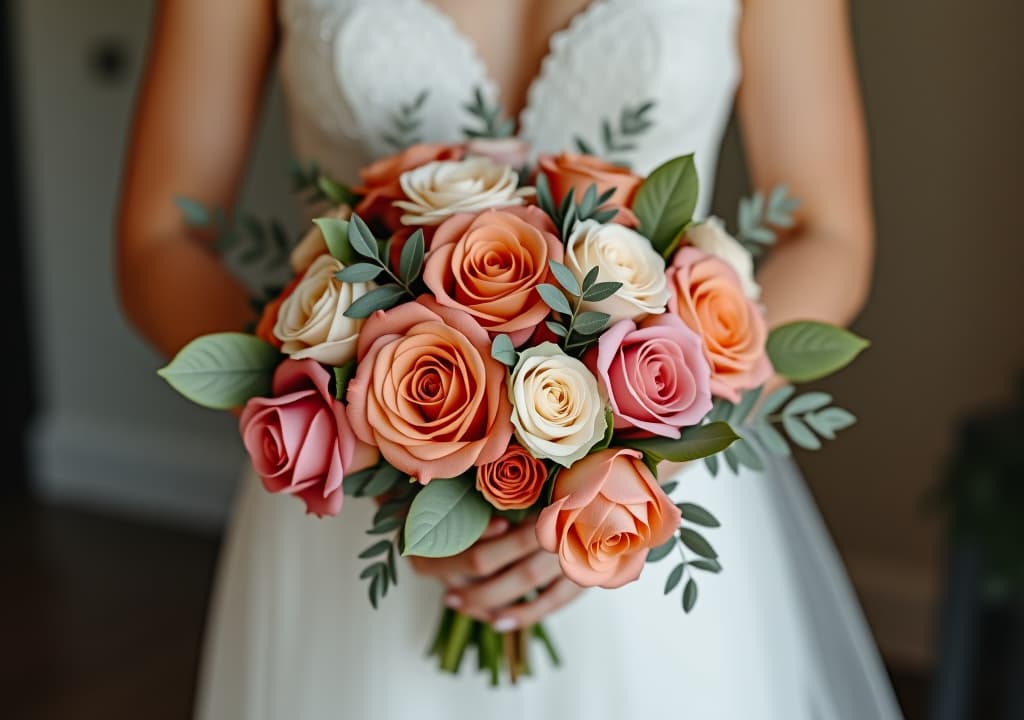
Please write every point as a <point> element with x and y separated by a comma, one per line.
<point>292,636</point>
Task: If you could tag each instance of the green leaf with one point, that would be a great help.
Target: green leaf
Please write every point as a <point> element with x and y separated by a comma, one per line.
<point>336,234</point>
<point>590,322</point>
<point>609,432</point>
<point>836,418</point>
<point>554,298</point>
<point>771,439</point>
<point>223,370</point>
<point>808,402</point>
<point>385,526</point>
<point>382,298</point>
<point>383,480</point>
<point>696,442</point>
<point>601,291</point>
<point>557,328</point>
<point>697,515</point>
<point>674,577</point>
<point>670,487</point>
<point>196,214</point>
<point>666,200</point>
<point>696,542</point>
<point>335,191</point>
<point>590,278</point>
<point>411,261</point>
<point>712,566</point>
<point>361,239</point>
<point>503,351</point>
<point>799,433</point>
<point>353,483</point>
<point>741,410</point>
<point>711,461</point>
<point>358,273</point>
<point>775,401</point>
<point>745,455</point>
<point>808,350</point>
<point>446,517</point>
<point>378,548</point>
<point>689,595</point>
<point>341,377</point>
<point>565,278</point>
<point>661,551</point>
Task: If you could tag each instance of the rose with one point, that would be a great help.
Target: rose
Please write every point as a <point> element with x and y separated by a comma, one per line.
<point>514,481</point>
<point>510,151</point>
<point>490,266</point>
<point>621,255</point>
<point>656,376</point>
<point>427,391</point>
<point>381,180</point>
<point>607,512</point>
<point>712,237</point>
<point>707,294</point>
<point>268,318</point>
<point>311,322</point>
<point>438,190</point>
<point>300,441</point>
<point>312,245</point>
<point>556,405</point>
<point>578,172</point>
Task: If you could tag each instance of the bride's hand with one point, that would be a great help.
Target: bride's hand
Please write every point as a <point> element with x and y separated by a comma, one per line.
<point>487,581</point>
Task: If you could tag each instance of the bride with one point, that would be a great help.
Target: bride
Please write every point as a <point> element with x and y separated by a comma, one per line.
<point>291,635</point>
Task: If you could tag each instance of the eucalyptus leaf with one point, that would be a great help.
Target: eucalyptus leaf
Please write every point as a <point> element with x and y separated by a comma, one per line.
<point>808,350</point>
<point>382,298</point>
<point>361,239</point>
<point>772,439</point>
<point>808,402</point>
<point>554,298</point>
<point>335,232</point>
<point>446,517</point>
<point>799,433</point>
<point>696,542</point>
<point>689,595</point>
<point>196,214</point>
<point>411,261</point>
<point>353,483</point>
<point>358,273</point>
<point>565,278</point>
<point>712,566</point>
<point>661,551</point>
<point>223,370</point>
<point>503,351</point>
<point>378,548</point>
<point>601,291</point>
<point>695,443</point>
<point>591,322</point>
<point>557,328</point>
<point>383,480</point>
<point>674,577</point>
<point>590,278</point>
<point>746,455</point>
<point>711,461</point>
<point>775,401</point>
<point>666,200</point>
<point>697,515</point>
<point>669,487</point>
<point>742,410</point>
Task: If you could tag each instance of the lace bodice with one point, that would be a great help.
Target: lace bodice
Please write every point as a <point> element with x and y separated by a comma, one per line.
<point>348,65</point>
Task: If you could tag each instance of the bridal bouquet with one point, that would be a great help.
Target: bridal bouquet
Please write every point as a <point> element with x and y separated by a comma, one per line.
<point>466,335</point>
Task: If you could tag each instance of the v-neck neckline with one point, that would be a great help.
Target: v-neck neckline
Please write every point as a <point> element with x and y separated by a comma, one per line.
<point>556,40</point>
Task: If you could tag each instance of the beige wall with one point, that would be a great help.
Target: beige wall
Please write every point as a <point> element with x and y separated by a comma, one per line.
<point>942,84</point>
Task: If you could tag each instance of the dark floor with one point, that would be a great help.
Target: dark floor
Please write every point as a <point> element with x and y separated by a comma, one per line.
<point>102,618</point>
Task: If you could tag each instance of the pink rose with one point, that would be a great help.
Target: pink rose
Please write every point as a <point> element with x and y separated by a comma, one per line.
<point>300,440</point>
<point>707,294</point>
<point>656,376</point>
<point>510,151</point>
<point>427,391</point>
<point>490,266</point>
<point>607,512</point>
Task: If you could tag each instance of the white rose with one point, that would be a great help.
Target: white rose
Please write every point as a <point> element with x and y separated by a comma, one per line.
<point>313,244</point>
<point>311,322</point>
<point>711,237</point>
<point>440,189</point>
<point>621,255</point>
<point>557,409</point>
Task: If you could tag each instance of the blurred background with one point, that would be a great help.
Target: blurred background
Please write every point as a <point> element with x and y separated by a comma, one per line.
<point>117,489</point>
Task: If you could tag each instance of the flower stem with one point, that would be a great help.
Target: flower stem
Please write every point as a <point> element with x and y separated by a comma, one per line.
<point>458,639</point>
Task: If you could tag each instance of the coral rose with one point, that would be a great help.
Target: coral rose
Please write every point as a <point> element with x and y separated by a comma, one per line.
<point>381,181</point>
<point>569,171</point>
<point>300,441</point>
<point>427,391</point>
<point>707,294</point>
<point>656,376</point>
<point>490,266</point>
<point>514,481</point>
<point>607,512</point>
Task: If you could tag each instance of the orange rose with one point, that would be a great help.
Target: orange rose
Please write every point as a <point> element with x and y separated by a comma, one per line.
<point>708,295</point>
<point>607,512</point>
<point>381,186</point>
<point>265,327</point>
<point>427,391</point>
<point>571,171</point>
<point>514,481</point>
<point>490,266</point>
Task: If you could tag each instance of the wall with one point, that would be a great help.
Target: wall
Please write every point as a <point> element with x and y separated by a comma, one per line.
<point>109,431</point>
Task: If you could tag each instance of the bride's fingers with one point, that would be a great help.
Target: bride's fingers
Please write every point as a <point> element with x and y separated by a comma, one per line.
<point>481,600</point>
<point>557,595</point>
<point>496,527</point>
<point>483,559</point>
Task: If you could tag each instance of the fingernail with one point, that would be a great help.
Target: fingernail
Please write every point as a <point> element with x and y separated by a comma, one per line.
<point>452,601</point>
<point>505,624</point>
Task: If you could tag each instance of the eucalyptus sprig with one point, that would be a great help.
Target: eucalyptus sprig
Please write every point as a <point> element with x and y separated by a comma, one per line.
<point>633,121</point>
<point>688,538</point>
<point>577,329</point>
<point>406,123</point>
<point>566,214</point>
<point>758,218</point>
<point>311,184</point>
<point>247,239</point>
<point>493,124</point>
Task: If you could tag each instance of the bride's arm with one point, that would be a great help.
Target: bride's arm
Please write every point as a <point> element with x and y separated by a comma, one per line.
<point>802,124</point>
<point>195,116</point>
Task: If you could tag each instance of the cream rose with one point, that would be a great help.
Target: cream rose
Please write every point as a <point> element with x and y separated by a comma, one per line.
<point>439,190</point>
<point>621,255</point>
<point>311,322</point>
<point>557,411</point>
<point>712,237</point>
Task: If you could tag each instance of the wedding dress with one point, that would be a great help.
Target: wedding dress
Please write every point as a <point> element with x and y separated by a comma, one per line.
<point>292,635</point>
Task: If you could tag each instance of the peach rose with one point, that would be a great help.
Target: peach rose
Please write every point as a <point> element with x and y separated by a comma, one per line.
<point>707,294</point>
<point>300,441</point>
<point>427,391</point>
<point>514,481</point>
<point>607,512</point>
<point>381,181</point>
<point>569,170</point>
<point>490,266</point>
